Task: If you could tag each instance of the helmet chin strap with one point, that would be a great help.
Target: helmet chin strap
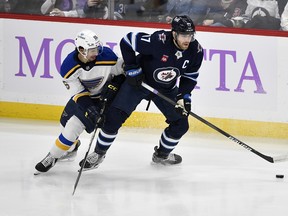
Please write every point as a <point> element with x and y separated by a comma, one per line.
<point>84,53</point>
<point>175,40</point>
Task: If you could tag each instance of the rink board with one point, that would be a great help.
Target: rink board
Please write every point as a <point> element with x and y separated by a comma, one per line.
<point>242,87</point>
<point>153,120</point>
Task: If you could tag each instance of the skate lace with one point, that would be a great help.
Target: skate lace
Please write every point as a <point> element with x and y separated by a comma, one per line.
<point>48,160</point>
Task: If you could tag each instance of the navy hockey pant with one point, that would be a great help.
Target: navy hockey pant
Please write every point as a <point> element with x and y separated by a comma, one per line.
<point>126,102</point>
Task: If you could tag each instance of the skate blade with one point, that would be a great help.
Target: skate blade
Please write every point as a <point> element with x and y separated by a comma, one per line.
<point>88,169</point>
<point>37,173</point>
<point>163,164</point>
<point>66,160</point>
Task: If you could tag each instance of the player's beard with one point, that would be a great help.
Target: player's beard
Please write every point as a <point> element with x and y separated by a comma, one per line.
<point>184,45</point>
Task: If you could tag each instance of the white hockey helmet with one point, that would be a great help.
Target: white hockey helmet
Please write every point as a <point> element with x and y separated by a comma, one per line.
<point>87,39</point>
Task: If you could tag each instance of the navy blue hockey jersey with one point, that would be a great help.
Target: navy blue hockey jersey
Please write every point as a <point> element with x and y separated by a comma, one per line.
<point>161,61</point>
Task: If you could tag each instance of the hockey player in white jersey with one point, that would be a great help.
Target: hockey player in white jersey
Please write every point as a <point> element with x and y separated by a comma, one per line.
<point>91,73</point>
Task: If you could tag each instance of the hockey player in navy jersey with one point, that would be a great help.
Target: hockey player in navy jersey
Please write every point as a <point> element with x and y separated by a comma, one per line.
<point>165,57</point>
<point>91,73</point>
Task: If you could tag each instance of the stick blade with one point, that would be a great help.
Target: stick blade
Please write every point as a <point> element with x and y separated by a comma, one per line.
<point>281,158</point>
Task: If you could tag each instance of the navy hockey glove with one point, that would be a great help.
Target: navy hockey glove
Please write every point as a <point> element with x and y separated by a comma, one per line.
<point>134,75</point>
<point>183,106</point>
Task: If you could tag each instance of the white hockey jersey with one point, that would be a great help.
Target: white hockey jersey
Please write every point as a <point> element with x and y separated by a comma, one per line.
<point>89,78</point>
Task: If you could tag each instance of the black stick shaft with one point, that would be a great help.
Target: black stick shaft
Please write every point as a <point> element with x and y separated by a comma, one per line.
<point>234,139</point>
<point>84,161</point>
<point>91,141</point>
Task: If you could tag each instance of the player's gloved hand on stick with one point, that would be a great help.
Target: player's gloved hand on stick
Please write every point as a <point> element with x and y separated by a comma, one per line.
<point>94,116</point>
<point>134,75</point>
<point>183,106</point>
<point>109,91</point>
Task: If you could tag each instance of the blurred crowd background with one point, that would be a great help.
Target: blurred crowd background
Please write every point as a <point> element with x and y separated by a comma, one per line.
<point>257,14</point>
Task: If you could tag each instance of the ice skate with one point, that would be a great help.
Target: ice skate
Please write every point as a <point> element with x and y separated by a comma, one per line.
<point>171,159</point>
<point>93,161</point>
<point>70,156</point>
<point>46,164</point>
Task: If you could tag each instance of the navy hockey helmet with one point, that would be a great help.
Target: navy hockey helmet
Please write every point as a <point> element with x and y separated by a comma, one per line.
<point>183,24</point>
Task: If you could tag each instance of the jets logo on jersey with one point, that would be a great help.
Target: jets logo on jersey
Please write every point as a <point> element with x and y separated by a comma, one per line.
<point>162,37</point>
<point>166,75</point>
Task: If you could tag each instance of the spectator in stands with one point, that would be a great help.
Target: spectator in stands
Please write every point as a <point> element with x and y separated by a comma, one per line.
<point>227,13</point>
<point>6,5</point>
<point>270,5</point>
<point>23,7</point>
<point>263,14</point>
<point>195,9</point>
<point>284,18</point>
<point>150,10</point>
<point>64,8</point>
<point>96,9</point>
<point>133,9</point>
<point>123,9</point>
<point>281,5</point>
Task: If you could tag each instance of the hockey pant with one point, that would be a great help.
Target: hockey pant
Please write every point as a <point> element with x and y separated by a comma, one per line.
<point>126,102</point>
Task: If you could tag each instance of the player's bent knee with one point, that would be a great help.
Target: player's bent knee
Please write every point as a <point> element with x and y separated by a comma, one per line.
<point>178,128</point>
<point>114,120</point>
<point>68,112</point>
<point>88,123</point>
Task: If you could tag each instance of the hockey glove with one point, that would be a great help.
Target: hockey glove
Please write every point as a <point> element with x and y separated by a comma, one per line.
<point>134,75</point>
<point>93,117</point>
<point>183,106</point>
<point>110,89</point>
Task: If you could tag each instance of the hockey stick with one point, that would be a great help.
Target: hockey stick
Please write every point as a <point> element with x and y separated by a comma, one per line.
<point>90,144</point>
<point>280,158</point>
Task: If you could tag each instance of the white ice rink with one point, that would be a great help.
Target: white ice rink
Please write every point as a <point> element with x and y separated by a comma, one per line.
<point>216,178</point>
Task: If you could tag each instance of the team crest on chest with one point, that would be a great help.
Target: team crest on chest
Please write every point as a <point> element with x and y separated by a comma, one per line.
<point>91,84</point>
<point>166,75</point>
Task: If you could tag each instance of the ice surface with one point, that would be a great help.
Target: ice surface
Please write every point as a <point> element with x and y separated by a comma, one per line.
<point>216,178</point>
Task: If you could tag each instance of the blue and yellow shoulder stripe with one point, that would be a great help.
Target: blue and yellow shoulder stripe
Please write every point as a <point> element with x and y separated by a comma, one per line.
<point>106,57</point>
<point>69,65</point>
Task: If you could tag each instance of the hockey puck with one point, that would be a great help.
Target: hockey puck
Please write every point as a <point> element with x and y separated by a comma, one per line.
<point>280,176</point>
